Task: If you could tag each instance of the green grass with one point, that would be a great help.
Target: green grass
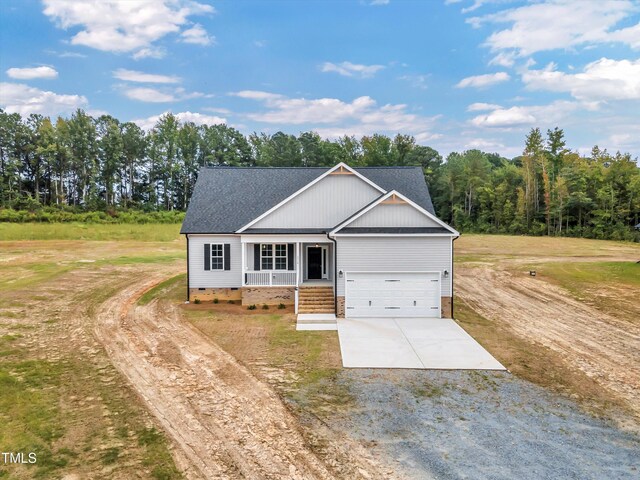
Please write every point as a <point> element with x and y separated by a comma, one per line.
<point>30,417</point>
<point>172,288</point>
<point>576,275</point>
<point>158,232</point>
<point>27,275</point>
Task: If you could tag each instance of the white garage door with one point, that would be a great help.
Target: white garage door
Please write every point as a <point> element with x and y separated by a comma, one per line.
<point>389,294</point>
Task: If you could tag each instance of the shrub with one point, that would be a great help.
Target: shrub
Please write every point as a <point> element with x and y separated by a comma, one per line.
<point>265,307</point>
<point>231,302</point>
<point>281,306</point>
<point>215,300</point>
<point>251,307</point>
<point>197,301</point>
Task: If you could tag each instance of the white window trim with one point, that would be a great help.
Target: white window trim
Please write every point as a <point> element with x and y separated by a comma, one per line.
<point>216,256</point>
<point>273,257</point>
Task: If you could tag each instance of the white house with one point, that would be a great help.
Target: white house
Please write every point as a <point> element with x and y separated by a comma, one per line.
<point>349,241</point>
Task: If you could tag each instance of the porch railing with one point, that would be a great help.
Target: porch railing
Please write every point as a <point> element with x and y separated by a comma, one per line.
<point>270,278</point>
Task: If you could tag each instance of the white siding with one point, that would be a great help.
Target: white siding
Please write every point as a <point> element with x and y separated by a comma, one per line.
<point>323,205</point>
<point>395,254</point>
<point>393,215</point>
<point>201,278</point>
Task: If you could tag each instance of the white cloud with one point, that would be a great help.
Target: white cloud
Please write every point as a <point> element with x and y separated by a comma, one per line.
<point>604,79</point>
<point>349,69</point>
<point>483,144</point>
<point>197,118</point>
<point>122,26</point>
<point>257,95</point>
<point>361,116</point>
<point>479,107</point>
<point>30,73</point>
<point>150,52</point>
<point>416,81</point>
<point>479,81</point>
<point>526,115</point>
<point>153,95</point>
<point>379,2</point>
<point>23,99</point>
<point>144,94</point>
<point>141,77</point>
<point>561,24</point>
<point>503,59</point>
<point>197,35</point>
<point>259,43</point>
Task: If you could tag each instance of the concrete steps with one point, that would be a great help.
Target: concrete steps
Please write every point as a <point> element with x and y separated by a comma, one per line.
<point>316,300</point>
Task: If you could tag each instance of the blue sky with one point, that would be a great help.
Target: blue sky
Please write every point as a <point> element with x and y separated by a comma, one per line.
<point>456,74</point>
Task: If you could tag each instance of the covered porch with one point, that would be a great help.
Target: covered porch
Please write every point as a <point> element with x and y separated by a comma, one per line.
<point>286,261</point>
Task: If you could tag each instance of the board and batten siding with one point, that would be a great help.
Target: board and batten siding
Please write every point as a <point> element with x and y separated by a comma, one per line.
<point>201,278</point>
<point>393,215</point>
<point>323,205</point>
<point>395,254</point>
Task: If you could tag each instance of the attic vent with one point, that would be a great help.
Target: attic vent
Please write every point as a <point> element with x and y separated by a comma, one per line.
<point>393,200</point>
<point>341,171</point>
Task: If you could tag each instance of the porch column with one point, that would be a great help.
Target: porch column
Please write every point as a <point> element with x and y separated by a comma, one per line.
<point>244,267</point>
<point>298,282</point>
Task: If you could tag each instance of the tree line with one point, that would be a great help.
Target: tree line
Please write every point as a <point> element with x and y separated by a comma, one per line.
<point>85,163</point>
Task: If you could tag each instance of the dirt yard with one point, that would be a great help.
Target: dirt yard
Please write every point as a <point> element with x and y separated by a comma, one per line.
<point>565,308</point>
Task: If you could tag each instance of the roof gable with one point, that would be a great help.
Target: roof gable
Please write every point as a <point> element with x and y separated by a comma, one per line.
<point>323,203</point>
<point>394,211</point>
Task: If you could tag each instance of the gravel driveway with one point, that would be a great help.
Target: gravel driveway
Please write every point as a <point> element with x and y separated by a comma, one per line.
<point>481,425</point>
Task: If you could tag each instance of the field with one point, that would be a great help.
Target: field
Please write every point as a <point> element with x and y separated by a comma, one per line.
<point>101,375</point>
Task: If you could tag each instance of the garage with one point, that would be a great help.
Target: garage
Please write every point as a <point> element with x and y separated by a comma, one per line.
<point>392,294</point>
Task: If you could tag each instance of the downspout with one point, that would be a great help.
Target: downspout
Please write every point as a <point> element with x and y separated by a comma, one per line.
<point>335,274</point>
<point>452,277</point>
<point>187,237</point>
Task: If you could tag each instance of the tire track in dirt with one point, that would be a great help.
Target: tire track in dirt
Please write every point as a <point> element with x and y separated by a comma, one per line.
<point>603,347</point>
<point>225,422</point>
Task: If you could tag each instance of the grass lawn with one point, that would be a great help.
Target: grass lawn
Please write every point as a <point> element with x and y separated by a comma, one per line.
<point>89,231</point>
<point>67,403</point>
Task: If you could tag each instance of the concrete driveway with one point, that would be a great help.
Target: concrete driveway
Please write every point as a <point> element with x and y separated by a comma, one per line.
<point>426,343</point>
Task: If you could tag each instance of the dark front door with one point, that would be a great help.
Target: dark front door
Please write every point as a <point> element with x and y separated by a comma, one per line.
<point>314,263</point>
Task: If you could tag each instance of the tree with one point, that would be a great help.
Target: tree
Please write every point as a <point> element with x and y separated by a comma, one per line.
<point>111,155</point>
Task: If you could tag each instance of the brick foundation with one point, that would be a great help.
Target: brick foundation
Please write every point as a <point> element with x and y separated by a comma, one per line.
<point>446,304</point>
<point>340,312</point>
<point>268,295</point>
<point>208,294</point>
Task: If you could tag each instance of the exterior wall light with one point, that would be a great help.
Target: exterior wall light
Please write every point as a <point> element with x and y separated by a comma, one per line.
<point>445,274</point>
<point>340,273</point>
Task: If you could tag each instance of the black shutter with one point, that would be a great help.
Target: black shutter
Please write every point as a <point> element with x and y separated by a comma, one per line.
<point>207,256</point>
<point>227,256</point>
<point>256,257</point>
<point>291,263</point>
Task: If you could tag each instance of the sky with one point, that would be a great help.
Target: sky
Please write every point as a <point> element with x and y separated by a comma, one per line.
<point>455,74</point>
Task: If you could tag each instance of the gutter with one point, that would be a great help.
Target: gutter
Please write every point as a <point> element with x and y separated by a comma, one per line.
<point>335,274</point>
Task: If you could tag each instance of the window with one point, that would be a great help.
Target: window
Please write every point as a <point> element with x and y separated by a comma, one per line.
<point>281,257</point>
<point>266,257</point>
<point>273,256</point>
<point>217,256</point>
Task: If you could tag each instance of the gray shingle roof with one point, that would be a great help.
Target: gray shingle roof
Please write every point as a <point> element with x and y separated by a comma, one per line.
<point>227,198</point>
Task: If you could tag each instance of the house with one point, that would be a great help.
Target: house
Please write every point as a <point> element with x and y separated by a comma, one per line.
<point>350,241</point>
